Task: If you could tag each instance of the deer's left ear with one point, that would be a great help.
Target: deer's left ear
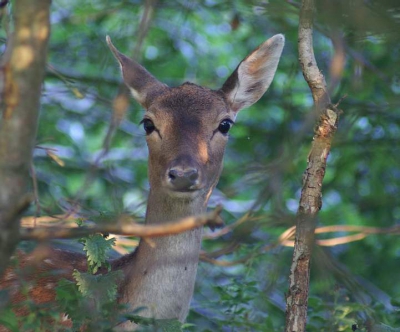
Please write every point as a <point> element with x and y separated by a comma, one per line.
<point>254,74</point>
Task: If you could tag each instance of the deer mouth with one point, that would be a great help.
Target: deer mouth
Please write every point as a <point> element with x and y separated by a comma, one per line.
<point>188,193</point>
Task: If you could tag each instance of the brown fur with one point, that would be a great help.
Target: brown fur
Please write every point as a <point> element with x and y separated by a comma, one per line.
<point>186,140</point>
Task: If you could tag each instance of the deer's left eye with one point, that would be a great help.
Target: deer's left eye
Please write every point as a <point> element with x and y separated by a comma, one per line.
<point>225,126</point>
<point>148,126</point>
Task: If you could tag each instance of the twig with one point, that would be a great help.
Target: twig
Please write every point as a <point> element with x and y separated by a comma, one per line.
<point>34,221</point>
<point>225,263</point>
<point>231,247</point>
<point>120,104</point>
<point>121,101</point>
<point>362,232</point>
<point>35,192</point>
<point>285,240</point>
<point>227,229</point>
<point>338,62</point>
<point>123,226</point>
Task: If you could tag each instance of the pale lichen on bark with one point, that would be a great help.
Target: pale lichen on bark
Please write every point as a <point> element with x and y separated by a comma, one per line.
<point>311,196</point>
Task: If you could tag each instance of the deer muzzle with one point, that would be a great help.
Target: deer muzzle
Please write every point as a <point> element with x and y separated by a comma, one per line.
<point>183,175</point>
<point>181,179</point>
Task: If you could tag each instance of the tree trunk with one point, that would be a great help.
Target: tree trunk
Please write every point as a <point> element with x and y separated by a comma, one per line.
<point>22,69</point>
<point>310,200</point>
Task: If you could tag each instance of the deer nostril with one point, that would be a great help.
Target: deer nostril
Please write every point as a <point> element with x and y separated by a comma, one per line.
<point>172,174</point>
<point>183,179</point>
<point>193,175</point>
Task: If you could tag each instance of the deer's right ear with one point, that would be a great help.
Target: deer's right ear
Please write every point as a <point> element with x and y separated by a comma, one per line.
<point>254,74</point>
<point>140,82</point>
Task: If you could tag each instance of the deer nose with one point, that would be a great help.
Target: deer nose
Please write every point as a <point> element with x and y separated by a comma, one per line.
<point>183,179</point>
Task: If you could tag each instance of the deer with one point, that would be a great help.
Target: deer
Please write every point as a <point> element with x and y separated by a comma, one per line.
<point>186,129</point>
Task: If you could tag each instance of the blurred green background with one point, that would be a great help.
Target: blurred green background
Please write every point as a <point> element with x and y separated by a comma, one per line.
<point>203,42</point>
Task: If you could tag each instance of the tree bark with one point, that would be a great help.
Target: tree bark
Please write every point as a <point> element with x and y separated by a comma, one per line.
<point>310,200</point>
<point>22,69</point>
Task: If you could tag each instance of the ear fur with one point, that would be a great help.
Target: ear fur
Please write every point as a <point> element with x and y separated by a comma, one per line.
<point>140,82</point>
<point>254,74</point>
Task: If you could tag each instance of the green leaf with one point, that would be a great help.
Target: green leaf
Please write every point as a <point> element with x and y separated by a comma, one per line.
<point>9,319</point>
<point>97,247</point>
<point>71,301</point>
<point>101,288</point>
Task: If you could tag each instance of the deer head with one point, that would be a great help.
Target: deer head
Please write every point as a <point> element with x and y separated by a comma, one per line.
<point>187,126</point>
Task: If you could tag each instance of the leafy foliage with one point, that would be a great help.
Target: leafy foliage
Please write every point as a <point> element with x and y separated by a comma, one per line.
<point>9,319</point>
<point>72,302</point>
<point>102,288</point>
<point>90,301</point>
<point>160,325</point>
<point>97,247</point>
<point>203,42</point>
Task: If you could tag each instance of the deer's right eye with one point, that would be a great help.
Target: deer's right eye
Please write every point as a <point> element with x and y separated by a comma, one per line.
<point>148,126</point>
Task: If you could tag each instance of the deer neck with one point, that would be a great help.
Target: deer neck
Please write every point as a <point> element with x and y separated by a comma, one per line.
<point>161,273</point>
<point>162,207</point>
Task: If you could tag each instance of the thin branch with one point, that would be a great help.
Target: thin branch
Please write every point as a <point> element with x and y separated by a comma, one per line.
<point>338,62</point>
<point>286,238</point>
<point>123,226</point>
<point>356,228</point>
<point>35,191</point>
<point>120,103</point>
<point>230,248</point>
<point>227,229</point>
<point>225,263</point>
<point>33,221</point>
<point>310,200</point>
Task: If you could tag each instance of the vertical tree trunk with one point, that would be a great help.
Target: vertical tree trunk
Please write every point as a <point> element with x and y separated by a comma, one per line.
<point>310,200</point>
<point>22,69</point>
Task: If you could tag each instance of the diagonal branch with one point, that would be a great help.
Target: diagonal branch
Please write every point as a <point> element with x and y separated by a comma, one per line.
<point>310,200</point>
<point>124,226</point>
<point>22,69</point>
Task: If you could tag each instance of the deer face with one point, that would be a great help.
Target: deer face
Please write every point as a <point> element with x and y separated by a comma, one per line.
<point>187,126</point>
<point>186,131</point>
